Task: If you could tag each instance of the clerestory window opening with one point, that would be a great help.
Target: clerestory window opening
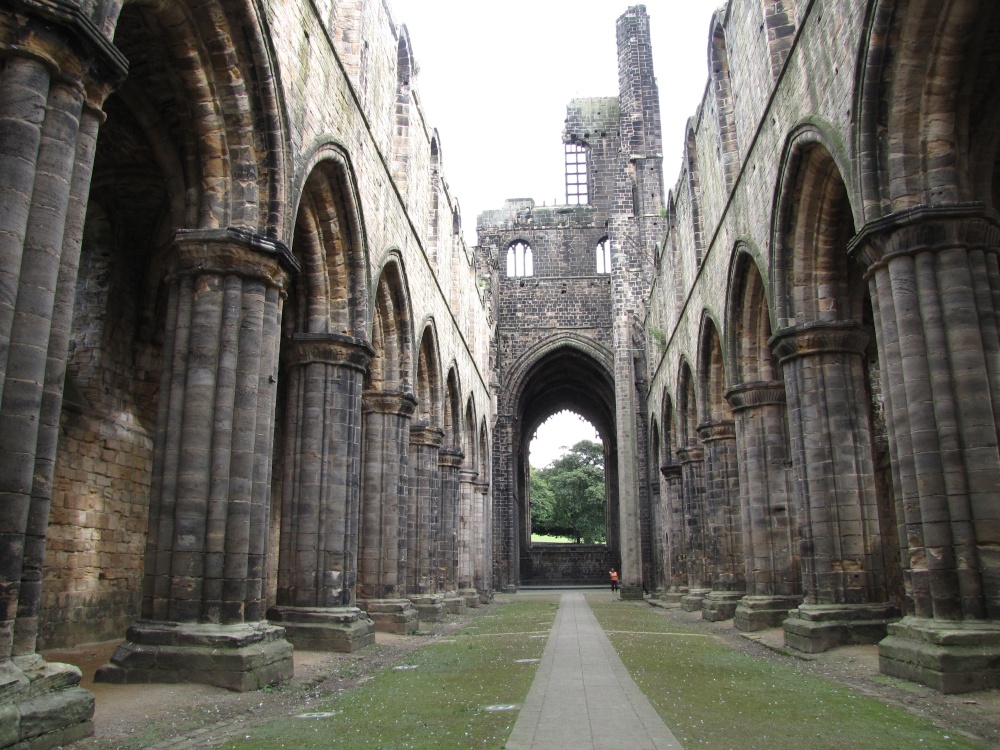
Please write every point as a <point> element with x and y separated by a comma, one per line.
<point>520,259</point>
<point>603,252</point>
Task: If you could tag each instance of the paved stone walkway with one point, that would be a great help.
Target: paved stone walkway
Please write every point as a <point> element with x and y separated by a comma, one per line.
<point>582,696</point>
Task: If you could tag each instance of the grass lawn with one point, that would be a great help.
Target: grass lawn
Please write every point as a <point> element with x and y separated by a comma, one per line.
<point>551,539</point>
<point>441,702</point>
<point>713,697</point>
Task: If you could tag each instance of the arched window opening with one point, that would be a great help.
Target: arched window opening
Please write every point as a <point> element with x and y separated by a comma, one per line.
<point>604,256</point>
<point>568,496</point>
<point>520,259</point>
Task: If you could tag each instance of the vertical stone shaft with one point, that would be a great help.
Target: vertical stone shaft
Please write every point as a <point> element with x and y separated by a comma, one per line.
<point>424,509</point>
<point>769,520</point>
<point>317,565</point>
<point>483,540</point>
<point>724,528</point>
<point>696,564</point>
<point>467,526</point>
<point>204,551</point>
<point>27,306</point>
<point>384,496</point>
<point>449,464</point>
<point>29,598</point>
<point>832,459</point>
<point>674,529</point>
<point>935,282</point>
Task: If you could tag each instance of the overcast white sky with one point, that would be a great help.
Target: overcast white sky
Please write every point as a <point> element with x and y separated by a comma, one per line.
<point>495,78</point>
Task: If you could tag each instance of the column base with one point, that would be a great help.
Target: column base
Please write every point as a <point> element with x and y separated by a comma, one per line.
<point>391,615</point>
<point>453,603</point>
<point>471,597</point>
<point>951,657</point>
<point>720,605</point>
<point>814,628</point>
<point>763,612</point>
<point>343,629</point>
<point>42,705</point>
<point>429,607</point>
<point>486,595</point>
<point>674,594</point>
<point>692,600</point>
<point>241,657</point>
<point>633,593</point>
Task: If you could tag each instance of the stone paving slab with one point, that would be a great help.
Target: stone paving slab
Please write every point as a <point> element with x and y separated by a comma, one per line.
<point>582,696</point>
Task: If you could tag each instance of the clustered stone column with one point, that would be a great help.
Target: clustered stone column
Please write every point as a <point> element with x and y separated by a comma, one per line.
<point>769,518</point>
<point>676,541</point>
<point>467,496</point>
<point>382,560</point>
<point>696,562</point>
<point>56,70</point>
<point>482,551</point>
<point>203,590</point>
<point>423,519</point>
<point>843,571</point>
<point>934,277</point>
<point>449,463</point>
<point>724,529</point>
<point>317,563</point>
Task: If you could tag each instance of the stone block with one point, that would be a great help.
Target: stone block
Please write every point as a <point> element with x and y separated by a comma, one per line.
<point>391,615</point>
<point>815,628</point>
<point>429,607</point>
<point>454,605</point>
<point>59,716</point>
<point>236,657</point>
<point>343,629</point>
<point>471,597</point>
<point>692,600</point>
<point>762,612</point>
<point>720,605</point>
<point>951,657</point>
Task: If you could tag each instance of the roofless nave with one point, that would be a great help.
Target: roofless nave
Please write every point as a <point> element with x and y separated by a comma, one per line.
<point>257,393</point>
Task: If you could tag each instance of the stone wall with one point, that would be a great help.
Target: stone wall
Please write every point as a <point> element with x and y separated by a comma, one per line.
<point>562,564</point>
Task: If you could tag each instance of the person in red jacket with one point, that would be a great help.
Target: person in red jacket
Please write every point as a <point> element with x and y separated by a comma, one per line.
<point>614,581</point>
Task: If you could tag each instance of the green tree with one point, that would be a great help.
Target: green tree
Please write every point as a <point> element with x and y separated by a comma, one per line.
<point>567,497</point>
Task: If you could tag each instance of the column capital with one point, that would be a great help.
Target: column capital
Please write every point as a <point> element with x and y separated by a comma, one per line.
<point>468,476</point>
<point>451,458</point>
<point>671,470</point>
<point>819,338</point>
<point>425,434</point>
<point>59,35</point>
<point>690,454</point>
<point>229,251</point>
<point>399,403</point>
<point>482,487</point>
<point>328,348</point>
<point>723,429</point>
<point>757,393</point>
<point>926,229</point>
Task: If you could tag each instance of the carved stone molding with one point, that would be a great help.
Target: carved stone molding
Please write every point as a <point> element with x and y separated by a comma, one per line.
<point>819,338</point>
<point>758,393</point>
<point>724,429</point>
<point>328,348</point>
<point>388,402</point>
<point>230,251</point>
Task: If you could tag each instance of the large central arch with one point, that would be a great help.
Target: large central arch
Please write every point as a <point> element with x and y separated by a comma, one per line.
<point>565,372</point>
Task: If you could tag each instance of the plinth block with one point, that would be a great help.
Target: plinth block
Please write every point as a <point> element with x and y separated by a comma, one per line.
<point>951,657</point>
<point>763,612</point>
<point>430,607</point>
<point>42,704</point>
<point>815,628</point>
<point>454,605</point>
<point>471,597</point>
<point>343,629</point>
<point>720,605</point>
<point>240,657</point>
<point>692,600</point>
<point>391,615</point>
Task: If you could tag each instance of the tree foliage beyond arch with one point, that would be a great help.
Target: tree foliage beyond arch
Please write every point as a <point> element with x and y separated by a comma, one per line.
<point>567,496</point>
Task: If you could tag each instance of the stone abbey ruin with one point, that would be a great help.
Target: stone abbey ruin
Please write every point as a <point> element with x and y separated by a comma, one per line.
<point>258,394</point>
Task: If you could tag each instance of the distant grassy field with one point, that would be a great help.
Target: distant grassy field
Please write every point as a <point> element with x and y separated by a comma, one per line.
<point>551,539</point>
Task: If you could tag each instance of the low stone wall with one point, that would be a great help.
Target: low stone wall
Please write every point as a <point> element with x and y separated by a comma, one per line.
<point>552,564</point>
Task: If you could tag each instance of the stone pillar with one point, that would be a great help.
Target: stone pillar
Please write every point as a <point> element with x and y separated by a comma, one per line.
<point>317,559</point>
<point>382,556</point>
<point>724,535</point>
<point>203,590</point>
<point>467,528</point>
<point>843,571</point>
<point>696,563</point>
<point>934,278</point>
<point>55,71</point>
<point>449,463</point>
<point>769,519</point>
<point>675,528</point>
<point>422,523</point>
<point>482,553</point>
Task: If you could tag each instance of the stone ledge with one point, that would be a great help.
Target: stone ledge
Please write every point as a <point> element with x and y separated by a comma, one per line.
<point>762,612</point>
<point>813,628</point>
<point>720,605</point>
<point>429,607</point>
<point>951,657</point>
<point>391,615</point>
<point>342,629</point>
